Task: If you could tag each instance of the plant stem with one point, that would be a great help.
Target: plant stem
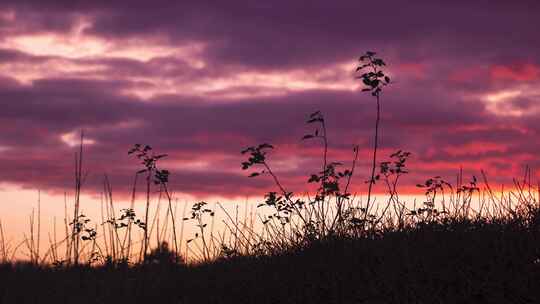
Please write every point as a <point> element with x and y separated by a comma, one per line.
<point>374,162</point>
<point>325,177</point>
<point>169,198</point>
<point>145,247</point>
<point>276,181</point>
<point>78,182</point>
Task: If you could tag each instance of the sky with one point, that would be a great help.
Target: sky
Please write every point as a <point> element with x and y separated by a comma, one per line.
<point>202,80</point>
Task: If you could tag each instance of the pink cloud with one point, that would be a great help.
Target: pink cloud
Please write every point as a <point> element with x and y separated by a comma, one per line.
<point>515,72</point>
<point>466,74</point>
<point>417,70</point>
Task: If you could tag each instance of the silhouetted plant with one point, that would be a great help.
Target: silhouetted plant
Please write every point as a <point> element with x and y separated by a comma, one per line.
<point>391,172</point>
<point>86,233</point>
<point>79,179</point>
<point>198,210</point>
<point>127,217</point>
<point>80,225</point>
<point>373,79</point>
<point>328,177</point>
<point>465,195</point>
<point>95,257</point>
<point>314,214</point>
<point>283,203</point>
<point>326,187</point>
<point>433,186</point>
<point>227,252</point>
<point>158,177</point>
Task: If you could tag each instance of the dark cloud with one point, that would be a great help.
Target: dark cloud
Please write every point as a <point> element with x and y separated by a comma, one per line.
<point>300,33</point>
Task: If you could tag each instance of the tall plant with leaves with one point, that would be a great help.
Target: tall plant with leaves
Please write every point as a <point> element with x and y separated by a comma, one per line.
<point>158,177</point>
<point>329,179</point>
<point>374,79</point>
<point>316,216</point>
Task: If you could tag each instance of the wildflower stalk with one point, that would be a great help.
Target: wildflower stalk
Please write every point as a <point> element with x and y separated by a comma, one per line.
<point>375,148</point>
<point>373,80</point>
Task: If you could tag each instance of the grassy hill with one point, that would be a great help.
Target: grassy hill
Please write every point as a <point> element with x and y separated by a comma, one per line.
<point>444,261</point>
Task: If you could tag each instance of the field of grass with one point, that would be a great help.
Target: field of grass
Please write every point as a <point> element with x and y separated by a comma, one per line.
<point>448,259</point>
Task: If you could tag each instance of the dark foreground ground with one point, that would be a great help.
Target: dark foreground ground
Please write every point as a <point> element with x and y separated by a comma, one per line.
<point>459,262</point>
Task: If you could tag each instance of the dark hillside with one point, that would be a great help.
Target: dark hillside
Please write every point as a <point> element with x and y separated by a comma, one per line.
<point>447,262</point>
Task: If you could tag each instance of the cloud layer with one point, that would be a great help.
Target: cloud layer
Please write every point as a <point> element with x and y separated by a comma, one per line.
<point>202,81</point>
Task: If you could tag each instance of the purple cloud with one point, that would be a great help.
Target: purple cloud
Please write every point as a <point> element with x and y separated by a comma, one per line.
<point>201,81</point>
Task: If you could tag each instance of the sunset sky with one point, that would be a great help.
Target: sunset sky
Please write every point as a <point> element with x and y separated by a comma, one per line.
<point>201,81</point>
